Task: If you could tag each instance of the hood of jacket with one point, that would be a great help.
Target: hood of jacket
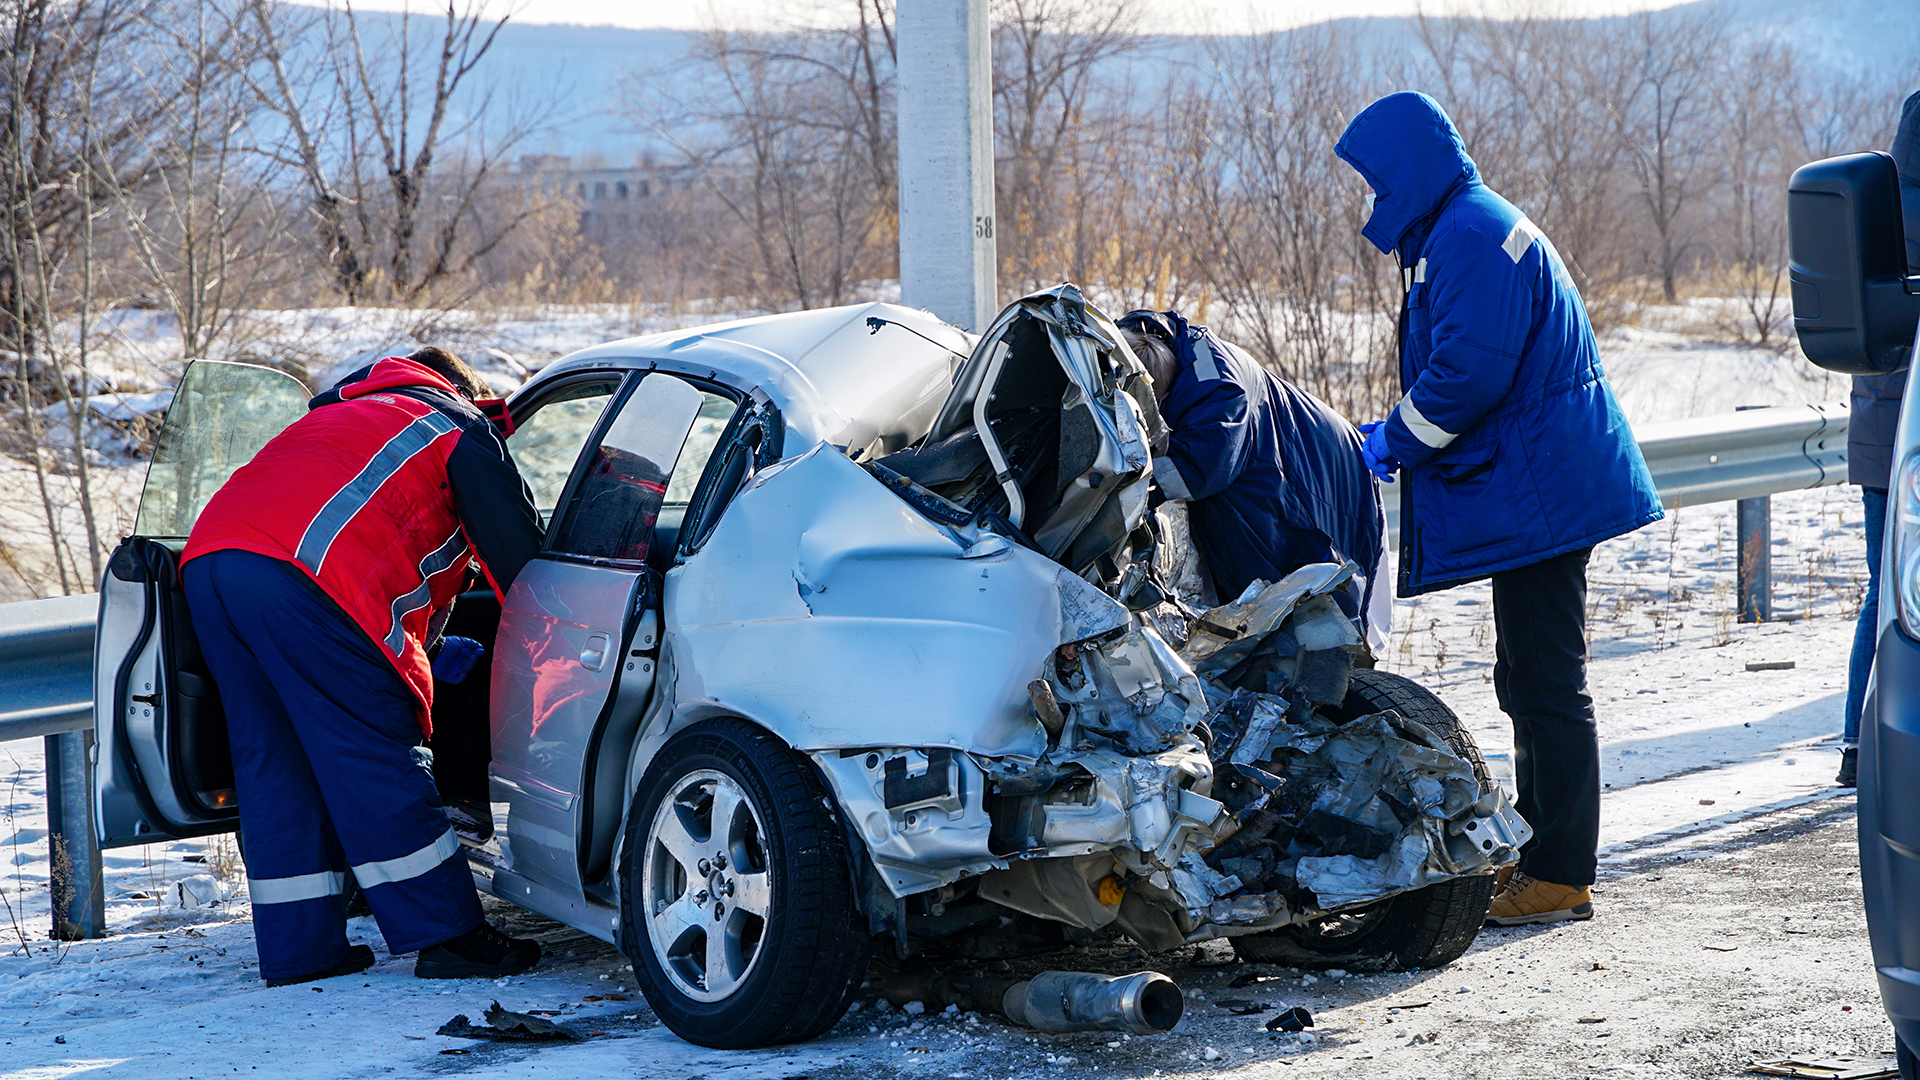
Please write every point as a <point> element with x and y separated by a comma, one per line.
<point>1409,152</point>
<point>390,374</point>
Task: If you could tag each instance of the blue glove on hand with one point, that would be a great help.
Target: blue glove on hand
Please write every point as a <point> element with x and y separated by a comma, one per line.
<point>1380,460</point>
<point>456,659</point>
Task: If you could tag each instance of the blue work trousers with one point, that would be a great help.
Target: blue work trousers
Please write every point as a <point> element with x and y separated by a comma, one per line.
<point>323,731</point>
<point>1866,630</point>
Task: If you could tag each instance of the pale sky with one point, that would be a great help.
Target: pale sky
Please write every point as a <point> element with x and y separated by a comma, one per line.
<point>1161,16</point>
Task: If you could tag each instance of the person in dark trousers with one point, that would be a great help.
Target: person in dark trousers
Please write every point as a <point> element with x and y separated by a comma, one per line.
<point>1271,473</point>
<point>317,579</point>
<point>1876,412</point>
<point>1514,461</point>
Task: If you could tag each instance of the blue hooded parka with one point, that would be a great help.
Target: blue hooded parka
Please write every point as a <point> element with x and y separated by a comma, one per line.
<point>1512,447</point>
<point>1273,474</point>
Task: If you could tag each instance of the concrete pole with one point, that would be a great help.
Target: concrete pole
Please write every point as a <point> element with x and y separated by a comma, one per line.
<point>946,161</point>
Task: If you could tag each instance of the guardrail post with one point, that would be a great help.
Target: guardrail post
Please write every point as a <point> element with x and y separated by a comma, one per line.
<point>1755,576</point>
<point>79,895</point>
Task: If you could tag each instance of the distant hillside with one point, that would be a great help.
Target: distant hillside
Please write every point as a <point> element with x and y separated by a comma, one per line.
<point>585,65</point>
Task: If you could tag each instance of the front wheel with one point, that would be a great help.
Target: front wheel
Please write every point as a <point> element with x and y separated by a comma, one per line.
<point>737,905</point>
<point>1425,928</point>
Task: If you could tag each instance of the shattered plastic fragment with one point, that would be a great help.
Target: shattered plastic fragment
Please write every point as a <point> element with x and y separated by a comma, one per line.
<point>1294,1019</point>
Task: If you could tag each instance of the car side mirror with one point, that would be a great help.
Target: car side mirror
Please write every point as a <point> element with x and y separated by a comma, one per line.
<point>1854,307</point>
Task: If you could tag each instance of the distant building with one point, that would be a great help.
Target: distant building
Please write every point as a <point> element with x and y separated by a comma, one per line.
<point>610,190</point>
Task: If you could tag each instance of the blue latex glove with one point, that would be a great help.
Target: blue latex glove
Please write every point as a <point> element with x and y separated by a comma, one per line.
<point>1380,460</point>
<point>456,659</point>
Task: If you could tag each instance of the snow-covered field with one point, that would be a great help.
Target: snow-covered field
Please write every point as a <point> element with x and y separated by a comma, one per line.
<point>1708,765</point>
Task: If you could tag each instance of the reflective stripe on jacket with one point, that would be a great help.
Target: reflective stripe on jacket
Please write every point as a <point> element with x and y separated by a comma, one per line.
<point>380,495</point>
<point>1512,445</point>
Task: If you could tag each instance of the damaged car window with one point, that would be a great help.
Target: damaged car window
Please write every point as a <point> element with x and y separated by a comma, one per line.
<point>546,444</point>
<point>615,509</point>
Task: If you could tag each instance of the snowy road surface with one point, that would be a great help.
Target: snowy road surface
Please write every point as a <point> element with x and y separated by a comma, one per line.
<point>1729,916</point>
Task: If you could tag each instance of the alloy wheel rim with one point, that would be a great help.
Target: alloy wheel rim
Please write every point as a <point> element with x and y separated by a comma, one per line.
<point>707,888</point>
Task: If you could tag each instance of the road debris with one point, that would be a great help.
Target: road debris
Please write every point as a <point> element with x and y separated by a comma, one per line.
<point>504,1025</point>
<point>1770,665</point>
<point>1294,1019</point>
<point>1831,1068</point>
<point>1241,1006</point>
<point>1143,1003</point>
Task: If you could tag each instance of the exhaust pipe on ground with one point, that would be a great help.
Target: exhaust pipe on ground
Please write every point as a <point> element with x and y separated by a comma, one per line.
<point>1143,1003</point>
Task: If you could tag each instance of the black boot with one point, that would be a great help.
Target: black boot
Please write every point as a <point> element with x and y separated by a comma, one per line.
<point>1849,767</point>
<point>359,958</point>
<point>480,953</point>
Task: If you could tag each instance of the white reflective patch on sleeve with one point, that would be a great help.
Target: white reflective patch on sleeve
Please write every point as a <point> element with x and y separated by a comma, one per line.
<point>1420,271</point>
<point>1423,429</point>
<point>289,890</point>
<point>406,867</point>
<point>1167,475</point>
<point>1204,365</point>
<point>1522,236</point>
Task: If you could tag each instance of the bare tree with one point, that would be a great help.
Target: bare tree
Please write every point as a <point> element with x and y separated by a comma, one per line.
<point>369,139</point>
<point>792,134</point>
<point>1664,123</point>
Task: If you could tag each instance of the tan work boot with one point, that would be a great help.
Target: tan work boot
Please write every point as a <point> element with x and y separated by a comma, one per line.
<point>1528,900</point>
<point>1504,877</point>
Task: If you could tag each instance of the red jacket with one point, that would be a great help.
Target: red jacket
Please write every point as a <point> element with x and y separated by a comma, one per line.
<point>381,494</point>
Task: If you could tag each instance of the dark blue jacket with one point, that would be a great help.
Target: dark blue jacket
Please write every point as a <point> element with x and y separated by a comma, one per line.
<point>1876,398</point>
<point>1274,475</point>
<point>1514,449</point>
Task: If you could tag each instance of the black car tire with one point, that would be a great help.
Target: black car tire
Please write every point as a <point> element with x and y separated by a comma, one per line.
<point>784,975</point>
<point>1425,928</point>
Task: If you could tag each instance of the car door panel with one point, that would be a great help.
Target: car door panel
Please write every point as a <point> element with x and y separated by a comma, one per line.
<point>164,769</point>
<point>566,674</point>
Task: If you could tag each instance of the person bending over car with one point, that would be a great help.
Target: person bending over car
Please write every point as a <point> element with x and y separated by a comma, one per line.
<point>317,580</point>
<point>1514,461</point>
<point>1272,475</point>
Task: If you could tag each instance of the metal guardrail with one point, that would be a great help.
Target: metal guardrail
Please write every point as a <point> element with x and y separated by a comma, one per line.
<point>1747,454</point>
<point>46,646</point>
<point>1734,456</point>
<point>46,666</point>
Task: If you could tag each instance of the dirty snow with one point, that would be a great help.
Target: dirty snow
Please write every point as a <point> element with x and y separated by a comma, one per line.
<point>1720,830</point>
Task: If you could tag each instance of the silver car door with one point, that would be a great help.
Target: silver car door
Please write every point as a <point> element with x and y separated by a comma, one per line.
<point>579,632</point>
<point>163,768</point>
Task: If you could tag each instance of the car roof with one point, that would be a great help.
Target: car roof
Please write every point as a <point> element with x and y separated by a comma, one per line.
<point>834,377</point>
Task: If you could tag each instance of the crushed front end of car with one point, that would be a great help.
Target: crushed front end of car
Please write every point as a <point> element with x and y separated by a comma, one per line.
<point>1031,737</point>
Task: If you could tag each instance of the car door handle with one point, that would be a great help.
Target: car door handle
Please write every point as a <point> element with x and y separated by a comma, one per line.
<point>594,656</point>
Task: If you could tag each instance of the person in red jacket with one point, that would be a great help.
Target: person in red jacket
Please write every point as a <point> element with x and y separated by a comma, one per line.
<point>317,579</point>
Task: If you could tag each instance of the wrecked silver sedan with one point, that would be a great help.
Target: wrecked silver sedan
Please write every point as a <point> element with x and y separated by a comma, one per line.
<point>854,634</point>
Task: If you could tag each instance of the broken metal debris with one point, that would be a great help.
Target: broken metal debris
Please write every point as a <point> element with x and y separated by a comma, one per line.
<point>1241,1006</point>
<point>504,1025</point>
<point>1143,1003</point>
<point>1328,811</point>
<point>1838,1067</point>
<point>1294,1019</point>
<point>1770,665</point>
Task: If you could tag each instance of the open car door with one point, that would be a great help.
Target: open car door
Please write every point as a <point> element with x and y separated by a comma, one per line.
<point>164,769</point>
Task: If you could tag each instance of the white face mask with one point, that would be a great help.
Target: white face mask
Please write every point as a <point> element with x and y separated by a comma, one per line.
<point>1369,204</point>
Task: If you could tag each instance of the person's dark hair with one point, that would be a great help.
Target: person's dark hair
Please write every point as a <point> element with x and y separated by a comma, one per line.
<point>455,370</point>
<point>1156,355</point>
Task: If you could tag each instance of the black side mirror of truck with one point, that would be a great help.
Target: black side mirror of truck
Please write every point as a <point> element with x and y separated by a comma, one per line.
<point>1854,306</point>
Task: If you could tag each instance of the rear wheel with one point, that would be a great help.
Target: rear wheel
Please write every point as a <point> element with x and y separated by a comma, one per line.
<point>737,905</point>
<point>1425,928</point>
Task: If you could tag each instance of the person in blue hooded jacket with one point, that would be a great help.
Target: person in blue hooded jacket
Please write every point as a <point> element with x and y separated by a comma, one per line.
<point>1272,474</point>
<point>1514,461</point>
